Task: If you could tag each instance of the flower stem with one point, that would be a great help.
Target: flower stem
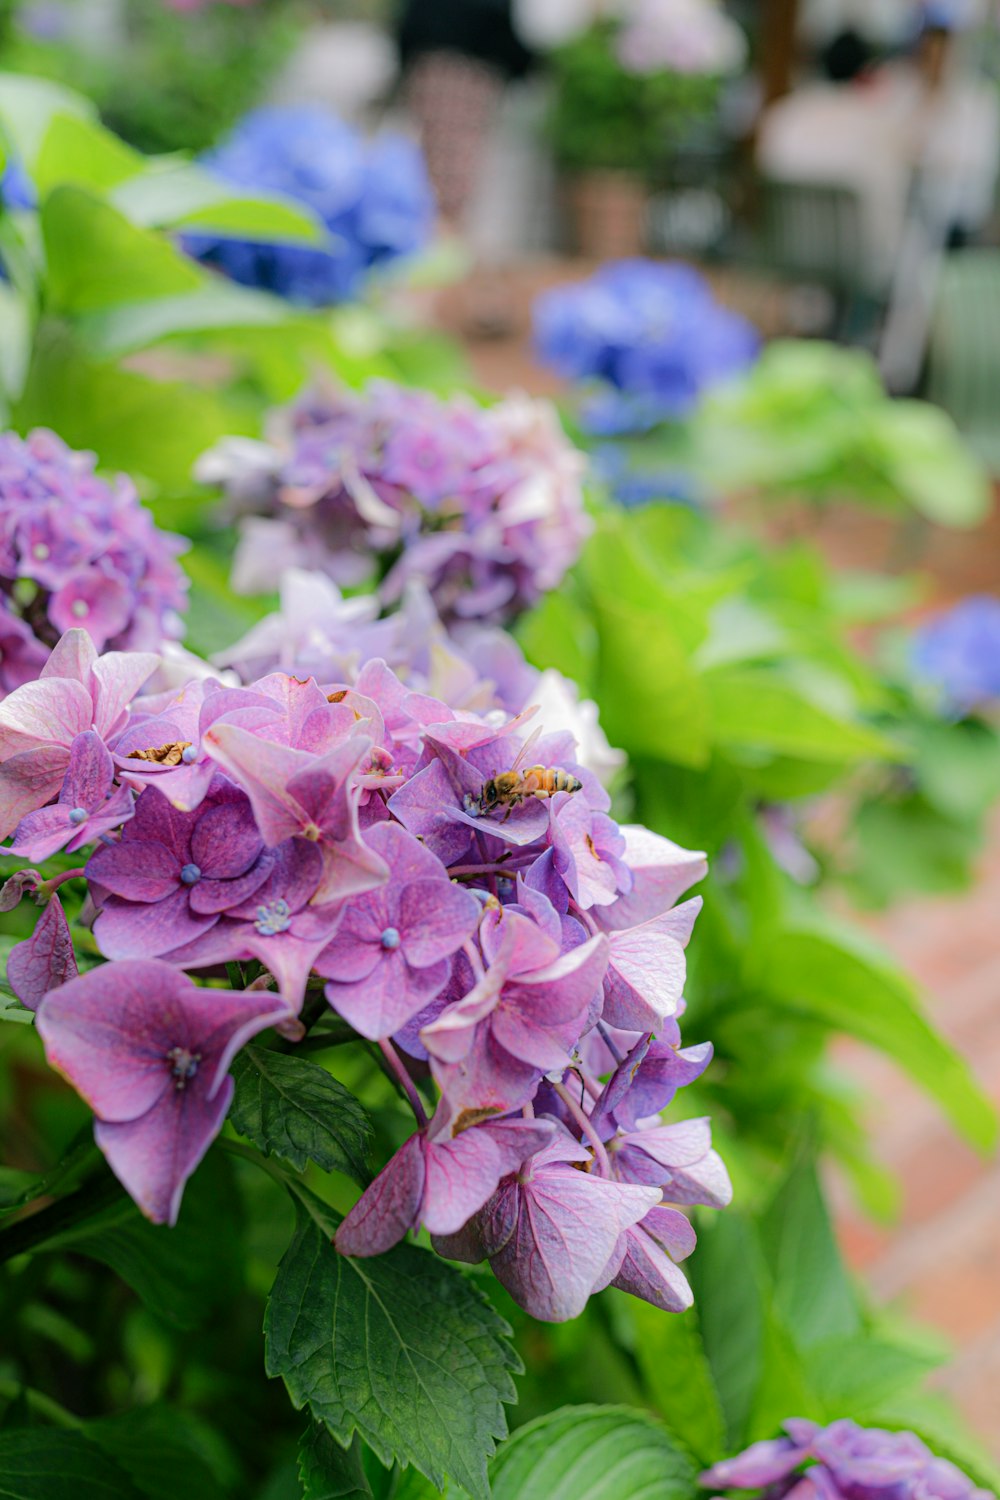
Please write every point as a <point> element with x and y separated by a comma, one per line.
<point>404,1080</point>
<point>47,887</point>
<point>610,1043</point>
<point>582,1119</point>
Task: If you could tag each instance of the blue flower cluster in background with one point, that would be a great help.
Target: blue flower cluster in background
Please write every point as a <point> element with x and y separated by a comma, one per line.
<point>653,333</point>
<point>959,653</point>
<point>17,191</point>
<point>374,196</point>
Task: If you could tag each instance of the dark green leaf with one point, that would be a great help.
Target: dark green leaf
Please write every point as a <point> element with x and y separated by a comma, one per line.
<point>330,1472</point>
<point>160,1450</point>
<point>294,1109</point>
<point>730,1293</point>
<point>47,1465</point>
<point>401,1349</point>
<point>592,1453</point>
<point>168,1268</point>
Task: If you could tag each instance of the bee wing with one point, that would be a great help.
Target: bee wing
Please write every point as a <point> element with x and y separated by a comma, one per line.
<point>529,744</point>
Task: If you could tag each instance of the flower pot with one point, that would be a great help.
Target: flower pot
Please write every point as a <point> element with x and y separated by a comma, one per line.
<point>606,212</point>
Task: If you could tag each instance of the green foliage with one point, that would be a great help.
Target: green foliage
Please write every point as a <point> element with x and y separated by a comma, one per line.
<point>606,118</point>
<point>297,1111</point>
<point>330,1472</point>
<point>38,1465</point>
<point>601,1453</point>
<point>812,420</point>
<point>401,1349</point>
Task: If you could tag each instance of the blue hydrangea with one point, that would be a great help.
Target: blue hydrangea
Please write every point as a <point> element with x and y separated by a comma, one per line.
<point>17,191</point>
<point>651,332</point>
<point>374,197</point>
<point>959,653</point>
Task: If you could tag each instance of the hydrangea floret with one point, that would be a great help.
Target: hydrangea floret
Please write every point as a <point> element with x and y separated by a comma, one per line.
<point>650,337</point>
<point>373,197</point>
<point>481,505</point>
<point>77,550</point>
<point>843,1461</point>
<point>451,883</point>
<point>957,654</point>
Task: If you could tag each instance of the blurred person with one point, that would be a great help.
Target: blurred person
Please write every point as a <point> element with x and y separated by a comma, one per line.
<point>457,57</point>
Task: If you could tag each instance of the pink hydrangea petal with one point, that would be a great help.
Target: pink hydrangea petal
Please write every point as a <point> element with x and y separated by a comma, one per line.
<point>380,1004</point>
<point>647,970</point>
<point>41,834</point>
<point>125,929</point>
<point>646,1271</point>
<point>154,1156</point>
<point>136,870</point>
<point>225,841</point>
<point>463,1171</point>
<point>390,1207</point>
<point>210,896</point>
<point>662,872</point>
<point>27,781</point>
<point>115,679</point>
<point>73,656</point>
<point>89,774</point>
<point>263,769</point>
<point>51,711</point>
<point>435,918</point>
<point>45,960</point>
<point>405,855</point>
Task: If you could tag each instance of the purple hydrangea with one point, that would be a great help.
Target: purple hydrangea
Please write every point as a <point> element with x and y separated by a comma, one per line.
<point>77,551</point>
<point>958,653</point>
<point>843,1462</point>
<point>373,197</point>
<point>450,880</point>
<point>651,336</point>
<point>483,506</point>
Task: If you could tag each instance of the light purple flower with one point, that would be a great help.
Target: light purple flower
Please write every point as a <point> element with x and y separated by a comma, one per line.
<point>150,1053</point>
<point>484,506</point>
<point>89,804</point>
<point>93,554</point>
<point>440,1178</point>
<point>172,875</point>
<point>76,691</point>
<point>390,957</point>
<point>848,1462</point>
<point>678,1159</point>
<point>551,1229</point>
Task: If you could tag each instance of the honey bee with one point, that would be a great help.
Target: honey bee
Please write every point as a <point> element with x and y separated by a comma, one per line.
<point>510,788</point>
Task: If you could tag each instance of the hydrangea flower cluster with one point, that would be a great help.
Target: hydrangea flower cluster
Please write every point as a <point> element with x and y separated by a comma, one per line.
<point>483,505</point>
<point>450,881</point>
<point>958,653</point>
<point>77,551</point>
<point>688,36</point>
<point>843,1462</point>
<point>374,197</point>
<point>652,335</point>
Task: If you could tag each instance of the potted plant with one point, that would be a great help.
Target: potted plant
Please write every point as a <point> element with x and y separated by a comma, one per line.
<point>626,90</point>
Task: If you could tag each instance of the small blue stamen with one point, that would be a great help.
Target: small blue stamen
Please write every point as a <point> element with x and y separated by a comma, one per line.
<point>77,815</point>
<point>191,874</point>
<point>183,1065</point>
<point>390,938</point>
<point>272,919</point>
<point>189,754</point>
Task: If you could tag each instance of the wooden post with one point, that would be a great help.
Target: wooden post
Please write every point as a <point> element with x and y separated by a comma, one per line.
<point>777,53</point>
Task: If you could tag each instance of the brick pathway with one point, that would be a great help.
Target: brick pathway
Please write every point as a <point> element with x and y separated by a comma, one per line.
<point>940,1260</point>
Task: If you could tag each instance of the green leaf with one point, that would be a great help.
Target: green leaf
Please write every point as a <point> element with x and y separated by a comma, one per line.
<point>78,152</point>
<point>221,307</point>
<point>833,976</point>
<point>97,259</point>
<point>294,1109</point>
<point>401,1349</point>
<point>168,1268</point>
<point>160,1451</point>
<point>11,1009</point>
<point>852,1377</point>
<point>756,710</point>
<point>150,428</point>
<point>593,1453</point>
<point>642,661</point>
<point>38,1464</point>
<point>924,459</point>
<point>677,1378</point>
<point>171,195</point>
<point>812,1292</point>
<point>730,1285</point>
<point>27,109</point>
<point>328,1471</point>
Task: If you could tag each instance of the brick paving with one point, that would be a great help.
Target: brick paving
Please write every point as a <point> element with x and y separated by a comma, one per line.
<point>940,1258</point>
